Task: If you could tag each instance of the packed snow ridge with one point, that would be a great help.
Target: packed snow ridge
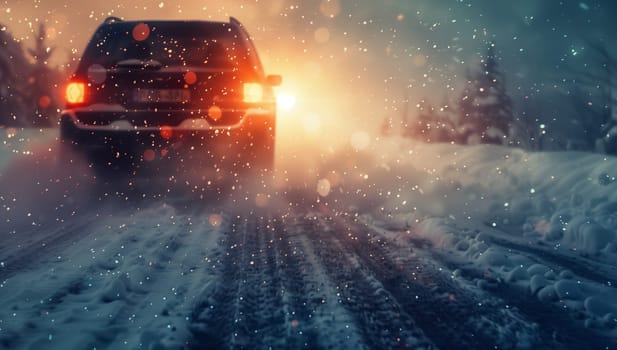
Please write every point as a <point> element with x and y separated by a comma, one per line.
<point>477,202</point>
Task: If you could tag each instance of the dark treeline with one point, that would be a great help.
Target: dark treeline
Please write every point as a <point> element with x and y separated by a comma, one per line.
<point>484,112</point>
<point>29,86</point>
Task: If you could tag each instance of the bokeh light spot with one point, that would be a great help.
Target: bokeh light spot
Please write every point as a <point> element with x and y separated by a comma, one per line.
<point>215,112</point>
<point>44,101</point>
<point>323,187</point>
<point>141,32</point>
<point>149,155</point>
<point>215,220</point>
<point>190,77</point>
<point>97,74</point>
<point>166,132</point>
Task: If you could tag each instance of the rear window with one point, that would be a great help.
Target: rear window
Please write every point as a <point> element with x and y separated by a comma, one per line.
<point>215,45</point>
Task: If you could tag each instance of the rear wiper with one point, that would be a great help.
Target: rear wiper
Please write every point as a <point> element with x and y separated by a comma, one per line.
<point>137,63</point>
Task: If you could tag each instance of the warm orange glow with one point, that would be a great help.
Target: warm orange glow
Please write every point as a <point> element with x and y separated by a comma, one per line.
<point>215,112</point>
<point>322,35</point>
<point>190,77</point>
<point>285,102</point>
<point>253,92</point>
<point>141,32</point>
<point>166,132</point>
<point>75,92</point>
<point>360,140</point>
<point>311,123</point>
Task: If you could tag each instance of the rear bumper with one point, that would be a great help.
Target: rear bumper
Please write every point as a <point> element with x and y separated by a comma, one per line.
<point>167,125</point>
<point>253,136</point>
<point>115,118</point>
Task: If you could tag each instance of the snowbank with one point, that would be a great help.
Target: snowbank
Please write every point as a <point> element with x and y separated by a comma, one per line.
<point>545,223</point>
<point>565,199</point>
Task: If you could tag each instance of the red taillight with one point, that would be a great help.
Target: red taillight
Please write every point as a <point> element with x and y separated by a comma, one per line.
<point>75,92</point>
<point>253,93</point>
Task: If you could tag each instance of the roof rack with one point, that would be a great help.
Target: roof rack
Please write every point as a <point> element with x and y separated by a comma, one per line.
<point>112,19</point>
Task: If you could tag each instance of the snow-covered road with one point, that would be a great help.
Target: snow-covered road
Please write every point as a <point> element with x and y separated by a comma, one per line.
<point>211,280</point>
<point>83,267</point>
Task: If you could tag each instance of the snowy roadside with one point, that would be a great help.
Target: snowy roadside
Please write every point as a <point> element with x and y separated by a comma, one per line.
<point>543,223</point>
<point>130,282</point>
<point>15,142</point>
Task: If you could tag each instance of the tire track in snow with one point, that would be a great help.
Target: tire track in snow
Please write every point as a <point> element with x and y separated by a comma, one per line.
<point>382,320</point>
<point>314,318</point>
<point>428,294</point>
<point>245,311</point>
<point>271,294</point>
<point>289,277</point>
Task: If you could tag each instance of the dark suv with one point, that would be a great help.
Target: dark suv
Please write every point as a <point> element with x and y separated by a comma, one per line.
<point>151,91</point>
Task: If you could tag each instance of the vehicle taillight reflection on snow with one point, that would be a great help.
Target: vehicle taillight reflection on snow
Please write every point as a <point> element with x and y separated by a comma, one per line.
<point>146,91</point>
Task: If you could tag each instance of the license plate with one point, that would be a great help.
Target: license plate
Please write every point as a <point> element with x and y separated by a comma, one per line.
<point>162,95</point>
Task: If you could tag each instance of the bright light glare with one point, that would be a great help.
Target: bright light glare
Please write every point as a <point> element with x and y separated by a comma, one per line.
<point>253,92</point>
<point>360,140</point>
<point>311,123</point>
<point>285,102</point>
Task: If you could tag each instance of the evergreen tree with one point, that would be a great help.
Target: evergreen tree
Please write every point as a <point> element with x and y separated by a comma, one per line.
<point>485,108</point>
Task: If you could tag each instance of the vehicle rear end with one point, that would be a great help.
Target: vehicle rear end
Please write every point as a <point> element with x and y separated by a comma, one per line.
<point>157,94</point>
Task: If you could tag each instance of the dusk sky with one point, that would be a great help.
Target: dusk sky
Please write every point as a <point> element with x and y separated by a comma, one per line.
<point>367,57</point>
